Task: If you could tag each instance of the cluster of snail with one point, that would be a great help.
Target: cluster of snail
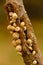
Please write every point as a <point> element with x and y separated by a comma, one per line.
<point>14,29</point>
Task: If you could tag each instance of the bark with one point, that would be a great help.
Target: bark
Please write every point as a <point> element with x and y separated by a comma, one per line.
<point>18,7</point>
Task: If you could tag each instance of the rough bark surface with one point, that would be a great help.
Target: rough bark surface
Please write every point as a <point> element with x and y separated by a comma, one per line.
<point>18,7</point>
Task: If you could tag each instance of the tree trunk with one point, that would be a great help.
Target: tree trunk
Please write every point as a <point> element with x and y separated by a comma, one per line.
<point>30,57</point>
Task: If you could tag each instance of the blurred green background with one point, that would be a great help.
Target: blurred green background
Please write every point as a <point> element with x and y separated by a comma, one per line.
<point>8,54</point>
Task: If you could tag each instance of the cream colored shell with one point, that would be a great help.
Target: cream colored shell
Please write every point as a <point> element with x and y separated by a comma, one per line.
<point>14,16</point>
<point>17,29</point>
<point>29,41</point>
<point>14,43</point>
<point>14,24</point>
<point>34,52</point>
<point>18,41</point>
<point>10,13</point>
<point>15,35</point>
<point>22,24</point>
<point>18,48</point>
<point>30,48</point>
<point>9,27</point>
<point>34,62</point>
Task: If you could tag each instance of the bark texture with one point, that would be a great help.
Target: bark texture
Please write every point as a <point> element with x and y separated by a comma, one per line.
<point>18,7</point>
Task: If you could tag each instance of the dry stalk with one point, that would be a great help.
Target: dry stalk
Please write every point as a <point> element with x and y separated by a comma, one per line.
<point>21,29</point>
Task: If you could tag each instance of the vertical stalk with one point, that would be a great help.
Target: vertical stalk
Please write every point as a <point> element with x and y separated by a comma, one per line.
<point>30,57</point>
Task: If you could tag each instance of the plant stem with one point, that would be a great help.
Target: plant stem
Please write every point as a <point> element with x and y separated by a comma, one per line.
<point>18,7</point>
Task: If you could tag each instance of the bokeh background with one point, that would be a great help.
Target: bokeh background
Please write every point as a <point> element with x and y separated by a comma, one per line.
<point>8,54</point>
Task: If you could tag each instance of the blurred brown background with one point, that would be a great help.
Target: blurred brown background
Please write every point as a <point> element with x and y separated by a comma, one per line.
<point>8,54</point>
